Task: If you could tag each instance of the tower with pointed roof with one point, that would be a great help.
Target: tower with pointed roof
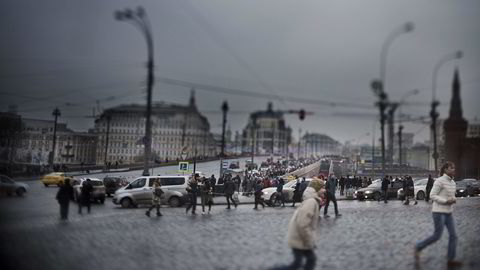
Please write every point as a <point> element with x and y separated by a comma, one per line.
<point>455,127</point>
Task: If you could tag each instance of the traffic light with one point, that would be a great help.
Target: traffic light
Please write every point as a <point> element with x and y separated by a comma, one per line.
<point>301,114</point>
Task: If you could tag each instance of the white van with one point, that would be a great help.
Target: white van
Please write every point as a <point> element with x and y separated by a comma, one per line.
<point>139,191</point>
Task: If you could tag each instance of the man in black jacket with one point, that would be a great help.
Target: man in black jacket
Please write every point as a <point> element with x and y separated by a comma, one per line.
<point>229,190</point>
<point>87,189</point>
<point>429,187</point>
<point>331,187</point>
<point>385,184</point>
<point>64,196</point>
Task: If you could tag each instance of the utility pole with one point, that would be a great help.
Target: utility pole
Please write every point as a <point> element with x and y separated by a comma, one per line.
<point>56,113</point>
<point>109,117</point>
<point>400,128</point>
<point>224,110</point>
<point>254,126</point>
<point>391,130</point>
<point>299,140</point>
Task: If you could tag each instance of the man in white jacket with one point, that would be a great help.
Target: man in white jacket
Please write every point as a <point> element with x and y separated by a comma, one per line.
<point>443,197</point>
<point>303,224</point>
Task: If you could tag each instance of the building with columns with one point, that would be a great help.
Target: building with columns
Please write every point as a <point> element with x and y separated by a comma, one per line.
<point>176,130</point>
<point>269,132</point>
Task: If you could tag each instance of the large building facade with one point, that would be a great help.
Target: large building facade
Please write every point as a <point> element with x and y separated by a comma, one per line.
<point>177,130</point>
<point>315,144</point>
<point>267,133</point>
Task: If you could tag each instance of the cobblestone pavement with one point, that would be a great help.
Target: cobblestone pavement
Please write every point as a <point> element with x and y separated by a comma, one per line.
<point>369,235</point>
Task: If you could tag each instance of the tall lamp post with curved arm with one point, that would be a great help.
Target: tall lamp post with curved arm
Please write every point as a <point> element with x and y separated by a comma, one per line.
<point>433,112</point>
<point>139,19</point>
<point>378,86</point>
<point>400,126</point>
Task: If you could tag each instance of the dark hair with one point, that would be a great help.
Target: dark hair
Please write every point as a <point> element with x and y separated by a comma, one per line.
<point>446,165</point>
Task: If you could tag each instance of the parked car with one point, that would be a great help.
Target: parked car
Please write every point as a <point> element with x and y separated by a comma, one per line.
<point>269,194</point>
<point>10,186</point>
<point>139,191</point>
<point>467,187</point>
<point>420,190</point>
<point>113,183</point>
<point>98,189</point>
<point>374,191</point>
<point>54,178</point>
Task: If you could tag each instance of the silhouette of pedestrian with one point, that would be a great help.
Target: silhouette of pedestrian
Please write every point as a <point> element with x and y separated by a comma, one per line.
<point>157,193</point>
<point>64,196</point>
<point>85,197</point>
<point>192,189</point>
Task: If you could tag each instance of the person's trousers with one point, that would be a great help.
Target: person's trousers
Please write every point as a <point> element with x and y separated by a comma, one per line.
<point>440,220</point>
<point>64,210</point>
<point>385,195</point>
<point>334,200</point>
<point>258,200</point>
<point>193,203</point>
<point>84,202</point>
<point>342,189</point>
<point>230,198</point>
<point>157,205</point>
<point>298,255</point>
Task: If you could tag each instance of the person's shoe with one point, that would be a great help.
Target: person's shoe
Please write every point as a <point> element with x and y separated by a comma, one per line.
<point>415,203</point>
<point>193,213</point>
<point>454,263</point>
<point>338,215</point>
<point>255,208</point>
<point>159,214</point>
<point>203,213</point>
<point>147,214</point>
<point>236,206</point>
<point>326,216</point>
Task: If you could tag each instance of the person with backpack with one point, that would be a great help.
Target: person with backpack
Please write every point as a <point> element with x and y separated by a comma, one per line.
<point>157,193</point>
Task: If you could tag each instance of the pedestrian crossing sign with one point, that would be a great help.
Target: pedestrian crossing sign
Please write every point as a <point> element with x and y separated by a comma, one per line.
<point>183,166</point>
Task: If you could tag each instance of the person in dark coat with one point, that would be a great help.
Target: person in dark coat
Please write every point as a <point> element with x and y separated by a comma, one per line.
<point>342,185</point>
<point>229,190</point>
<point>429,187</point>
<point>385,184</point>
<point>296,193</point>
<point>409,190</point>
<point>331,187</point>
<point>258,194</point>
<point>85,197</point>
<point>192,189</point>
<point>64,196</point>
<point>207,195</point>
<point>280,195</point>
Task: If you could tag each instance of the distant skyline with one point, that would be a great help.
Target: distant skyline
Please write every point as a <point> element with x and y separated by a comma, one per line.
<point>305,54</point>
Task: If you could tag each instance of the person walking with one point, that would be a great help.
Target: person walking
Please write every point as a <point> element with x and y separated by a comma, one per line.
<point>296,192</point>
<point>157,193</point>
<point>229,190</point>
<point>429,187</point>
<point>258,194</point>
<point>331,187</point>
<point>342,185</point>
<point>385,184</point>
<point>192,189</point>
<point>409,190</point>
<point>85,197</point>
<point>280,197</point>
<point>207,195</point>
<point>64,196</point>
<point>443,197</point>
<point>302,228</point>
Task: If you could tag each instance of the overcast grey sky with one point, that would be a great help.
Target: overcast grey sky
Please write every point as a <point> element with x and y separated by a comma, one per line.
<point>55,53</point>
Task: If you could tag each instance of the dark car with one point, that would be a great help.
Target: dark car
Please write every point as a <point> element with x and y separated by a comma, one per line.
<point>374,191</point>
<point>467,187</point>
<point>113,183</point>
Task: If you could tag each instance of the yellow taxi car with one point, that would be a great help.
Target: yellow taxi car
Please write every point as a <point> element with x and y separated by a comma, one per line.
<point>54,178</point>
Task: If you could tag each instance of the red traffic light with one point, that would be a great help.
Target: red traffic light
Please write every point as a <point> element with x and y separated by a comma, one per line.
<point>301,114</point>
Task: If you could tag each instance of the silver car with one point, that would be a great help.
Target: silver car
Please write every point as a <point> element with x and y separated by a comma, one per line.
<point>139,191</point>
<point>98,193</point>
<point>9,186</point>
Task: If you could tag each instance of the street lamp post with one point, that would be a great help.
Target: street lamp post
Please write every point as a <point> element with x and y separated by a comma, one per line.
<point>400,127</point>
<point>140,20</point>
<point>299,140</point>
<point>378,86</point>
<point>433,112</point>
<point>224,110</point>
<point>55,113</point>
